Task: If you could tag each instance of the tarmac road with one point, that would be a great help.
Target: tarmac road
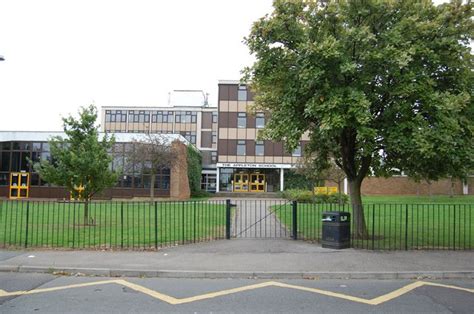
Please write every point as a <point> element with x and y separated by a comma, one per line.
<point>21,293</point>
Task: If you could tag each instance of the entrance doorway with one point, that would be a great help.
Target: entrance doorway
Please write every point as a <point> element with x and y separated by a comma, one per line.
<point>243,184</point>
<point>257,182</point>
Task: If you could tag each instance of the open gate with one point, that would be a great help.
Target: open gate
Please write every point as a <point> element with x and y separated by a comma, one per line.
<point>261,219</point>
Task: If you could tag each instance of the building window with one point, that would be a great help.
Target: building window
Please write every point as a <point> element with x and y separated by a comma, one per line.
<point>189,135</point>
<point>115,116</point>
<point>214,117</point>
<point>241,148</point>
<point>186,117</point>
<point>242,120</point>
<point>297,151</point>
<point>242,94</point>
<point>214,137</point>
<point>259,148</point>
<point>260,121</point>
<point>213,157</point>
<point>139,116</point>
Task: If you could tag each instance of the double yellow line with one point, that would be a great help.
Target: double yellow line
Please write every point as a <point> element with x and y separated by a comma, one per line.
<point>175,301</point>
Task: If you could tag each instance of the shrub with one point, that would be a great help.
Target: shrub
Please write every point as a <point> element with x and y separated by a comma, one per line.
<point>305,196</point>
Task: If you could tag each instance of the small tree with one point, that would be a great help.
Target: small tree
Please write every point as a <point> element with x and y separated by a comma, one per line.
<point>80,160</point>
<point>154,152</point>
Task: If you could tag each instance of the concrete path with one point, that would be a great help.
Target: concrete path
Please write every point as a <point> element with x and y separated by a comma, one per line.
<point>245,258</point>
<point>255,219</point>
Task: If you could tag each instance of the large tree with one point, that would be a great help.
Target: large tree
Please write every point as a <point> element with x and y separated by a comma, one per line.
<point>80,161</point>
<point>378,85</point>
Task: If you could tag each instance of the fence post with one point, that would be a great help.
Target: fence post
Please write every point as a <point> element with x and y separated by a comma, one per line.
<point>194,222</point>
<point>295,220</point>
<point>454,228</point>
<point>406,227</point>
<point>156,225</point>
<point>121,225</point>
<point>227,219</point>
<point>27,221</point>
<point>373,226</point>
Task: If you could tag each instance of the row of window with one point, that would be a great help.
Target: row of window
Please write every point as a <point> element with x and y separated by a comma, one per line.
<point>24,146</point>
<point>162,181</point>
<point>260,149</point>
<point>242,120</point>
<point>143,116</point>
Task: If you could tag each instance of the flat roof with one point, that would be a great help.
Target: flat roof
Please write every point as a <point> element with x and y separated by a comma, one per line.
<point>43,136</point>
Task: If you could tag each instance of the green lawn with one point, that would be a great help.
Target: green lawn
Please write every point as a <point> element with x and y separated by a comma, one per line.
<point>128,225</point>
<point>395,226</point>
<point>422,199</point>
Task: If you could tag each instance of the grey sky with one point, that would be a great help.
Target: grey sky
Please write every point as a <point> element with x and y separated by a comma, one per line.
<point>60,55</point>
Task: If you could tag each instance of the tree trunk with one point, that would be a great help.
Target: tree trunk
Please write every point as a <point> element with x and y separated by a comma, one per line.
<point>451,190</point>
<point>152,188</point>
<point>86,212</point>
<point>360,228</point>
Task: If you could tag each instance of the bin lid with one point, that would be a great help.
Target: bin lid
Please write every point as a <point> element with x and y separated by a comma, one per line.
<point>335,213</point>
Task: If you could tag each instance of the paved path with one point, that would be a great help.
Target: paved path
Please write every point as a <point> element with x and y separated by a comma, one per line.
<point>243,258</point>
<point>255,219</point>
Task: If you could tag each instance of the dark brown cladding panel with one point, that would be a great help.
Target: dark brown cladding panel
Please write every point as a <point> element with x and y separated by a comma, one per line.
<point>233,91</point>
<point>250,148</point>
<point>222,147</point>
<point>223,92</point>
<point>278,149</point>
<point>207,120</point>
<point>232,147</point>
<point>228,120</point>
<point>206,139</point>
<point>250,121</point>
<point>268,148</point>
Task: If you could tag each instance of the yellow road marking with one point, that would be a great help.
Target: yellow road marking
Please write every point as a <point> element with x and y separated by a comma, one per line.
<point>174,301</point>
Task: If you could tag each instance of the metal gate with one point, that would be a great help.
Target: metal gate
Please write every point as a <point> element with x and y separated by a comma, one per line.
<point>261,219</point>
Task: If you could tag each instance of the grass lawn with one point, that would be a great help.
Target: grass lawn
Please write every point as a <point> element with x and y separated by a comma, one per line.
<point>422,199</point>
<point>129,225</point>
<point>395,225</point>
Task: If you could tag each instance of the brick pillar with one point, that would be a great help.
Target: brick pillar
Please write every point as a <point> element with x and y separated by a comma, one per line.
<point>179,185</point>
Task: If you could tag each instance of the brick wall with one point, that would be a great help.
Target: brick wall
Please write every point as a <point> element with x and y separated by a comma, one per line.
<point>179,186</point>
<point>406,186</point>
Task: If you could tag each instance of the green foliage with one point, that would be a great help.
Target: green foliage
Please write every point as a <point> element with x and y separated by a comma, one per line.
<point>380,86</point>
<point>294,180</point>
<point>80,158</point>
<point>194,170</point>
<point>305,196</point>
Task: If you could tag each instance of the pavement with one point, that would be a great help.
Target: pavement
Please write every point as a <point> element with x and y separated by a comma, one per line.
<point>246,258</point>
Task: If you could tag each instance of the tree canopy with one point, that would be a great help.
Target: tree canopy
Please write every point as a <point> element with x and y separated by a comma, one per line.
<point>379,86</point>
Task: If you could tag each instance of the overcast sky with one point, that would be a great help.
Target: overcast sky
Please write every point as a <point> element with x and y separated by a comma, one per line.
<point>64,54</point>
<point>60,55</point>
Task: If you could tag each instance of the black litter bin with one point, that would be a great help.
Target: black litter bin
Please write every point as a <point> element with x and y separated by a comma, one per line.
<point>336,230</point>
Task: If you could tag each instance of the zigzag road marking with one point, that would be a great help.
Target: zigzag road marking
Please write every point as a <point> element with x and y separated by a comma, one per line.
<point>175,301</point>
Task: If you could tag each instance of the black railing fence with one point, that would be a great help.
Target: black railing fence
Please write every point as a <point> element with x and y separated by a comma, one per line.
<point>145,225</point>
<point>109,225</point>
<point>396,226</point>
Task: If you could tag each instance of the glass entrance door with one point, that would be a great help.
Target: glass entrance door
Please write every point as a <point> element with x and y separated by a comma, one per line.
<point>257,182</point>
<point>241,182</point>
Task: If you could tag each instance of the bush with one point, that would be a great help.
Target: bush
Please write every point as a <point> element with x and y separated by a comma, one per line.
<point>305,196</point>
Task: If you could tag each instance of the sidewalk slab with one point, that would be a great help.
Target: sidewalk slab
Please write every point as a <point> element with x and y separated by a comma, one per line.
<point>246,259</point>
